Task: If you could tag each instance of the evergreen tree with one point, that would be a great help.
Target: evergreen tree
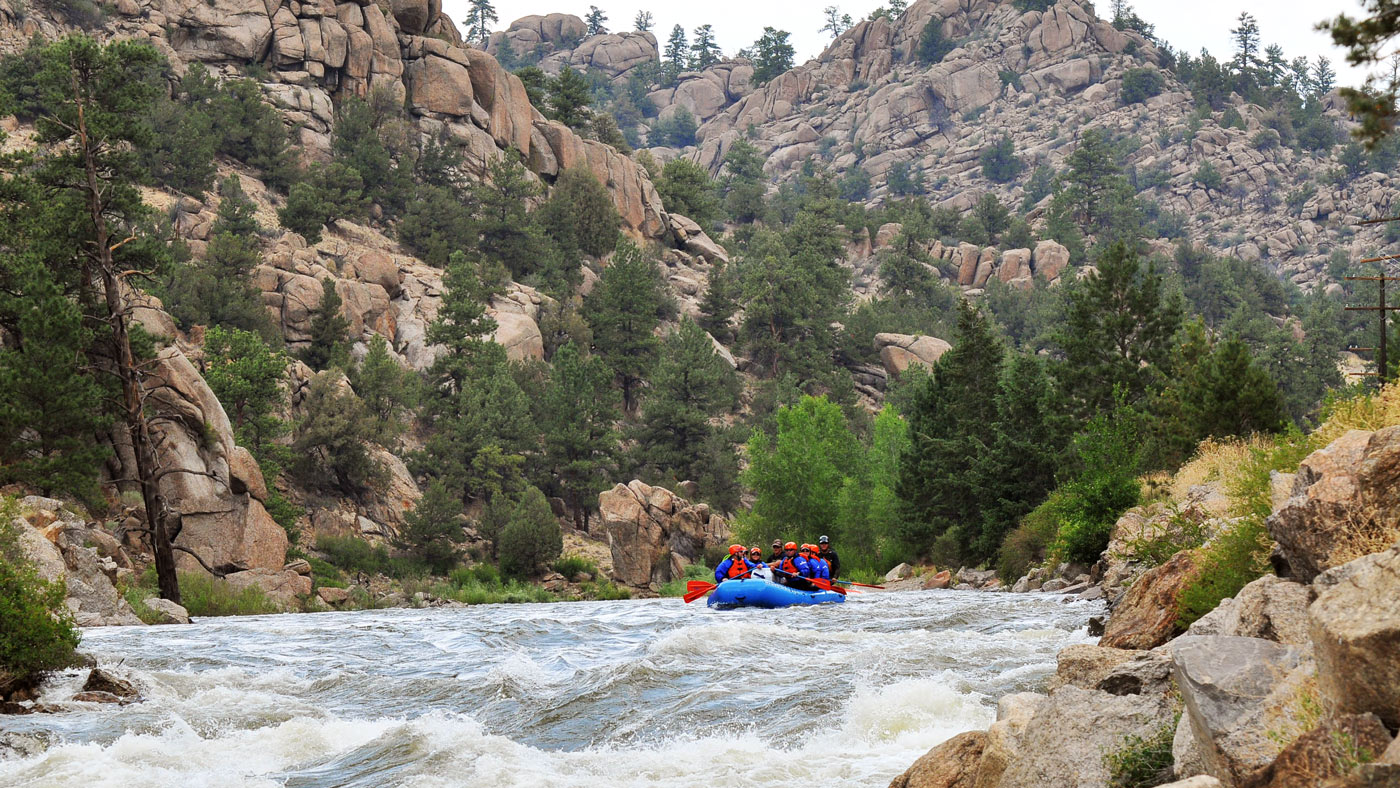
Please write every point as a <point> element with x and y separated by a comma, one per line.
<point>999,162</point>
<point>388,391</point>
<point>905,179</point>
<point>772,55</point>
<point>507,233</point>
<point>933,45</point>
<point>329,344</point>
<point>836,22</point>
<point>676,131</point>
<point>687,189</point>
<point>531,539</point>
<point>721,301</point>
<point>51,408</point>
<point>623,311</point>
<point>675,59</point>
<point>247,377</point>
<point>595,20</point>
<point>576,415</point>
<point>357,144</point>
<point>704,52</point>
<point>643,22</point>
<point>744,182</point>
<point>1116,332</point>
<point>433,529</point>
<point>579,214</point>
<point>480,16</point>
<point>1026,451</point>
<point>476,416</point>
<point>569,97</point>
<point>691,385</point>
<point>986,222</point>
<point>951,421</point>
<point>216,291</point>
<point>328,443</point>
<point>1246,38</point>
<point>1324,77</point>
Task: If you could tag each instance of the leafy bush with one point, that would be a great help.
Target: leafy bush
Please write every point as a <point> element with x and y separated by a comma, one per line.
<point>483,574</point>
<point>353,554</point>
<point>37,634</point>
<point>1141,84</point>
<point>203,595</point>
<point>1081,539</point>
<point>1143,762</point>
<point>933,45</point>
<point>571,566</point>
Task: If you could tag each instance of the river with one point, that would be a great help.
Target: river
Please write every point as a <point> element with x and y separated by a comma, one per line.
<point>586,694</point>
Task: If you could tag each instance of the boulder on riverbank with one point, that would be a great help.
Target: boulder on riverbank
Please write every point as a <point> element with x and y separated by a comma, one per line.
<point>1355,626</point>
<point>653,533</point>
<point>952,764</point>
<point>1147,615</point>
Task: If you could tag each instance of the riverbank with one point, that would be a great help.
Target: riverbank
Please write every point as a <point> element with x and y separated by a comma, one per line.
<point>1252,632</point>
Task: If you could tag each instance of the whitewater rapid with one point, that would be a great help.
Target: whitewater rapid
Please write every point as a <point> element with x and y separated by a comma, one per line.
<point>571,695</point>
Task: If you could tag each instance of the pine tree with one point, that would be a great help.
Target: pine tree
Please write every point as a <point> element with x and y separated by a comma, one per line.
<point>836,22</point>
<point>329,343</point>
<point>687,189</point>
<point>576,415</point>
<point>744,181</point>
<point>951,421</point>
<point>1246,38</point>
<point>51,409</point>
<point>999,162</point>
<point>388,391</point>
<point>216,290</point>
<point>1116,332</point>
<point>579,214</point>
<point>1324,77</point>
<point>329,443</point>
<point>643,22</point>
<point>531,539</point>
<point>704,52</point>
<point>721,302</point>
<point>595,20</point>
<point>480,16</point>
<point>507,233</point>
<point>675,59</point>
<point>772,55</point>
<point>690,385</point>
<point>569,97</point>
<point>433,529</point>
<point>623,311</point>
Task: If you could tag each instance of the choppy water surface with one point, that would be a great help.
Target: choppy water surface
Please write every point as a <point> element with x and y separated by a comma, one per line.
<point>615,694</point>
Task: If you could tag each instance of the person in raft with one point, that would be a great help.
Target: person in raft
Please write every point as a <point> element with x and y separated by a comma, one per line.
<point>826,553</point>
<point>793,569</point>
<point>820,568</point>
<point>777,554</point>
<point>736,565</point>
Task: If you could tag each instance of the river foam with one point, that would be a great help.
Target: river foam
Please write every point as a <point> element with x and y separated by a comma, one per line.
<point>581,695</point>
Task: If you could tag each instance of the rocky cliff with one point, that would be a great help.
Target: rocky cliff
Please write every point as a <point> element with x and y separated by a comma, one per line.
<point>1291,682</point>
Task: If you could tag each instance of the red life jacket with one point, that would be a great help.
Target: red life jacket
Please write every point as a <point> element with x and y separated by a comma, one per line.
<point>737,568</point>
<point>788,564</point>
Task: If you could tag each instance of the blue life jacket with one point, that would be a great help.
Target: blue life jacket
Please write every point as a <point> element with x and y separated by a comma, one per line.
<point>820,568</point>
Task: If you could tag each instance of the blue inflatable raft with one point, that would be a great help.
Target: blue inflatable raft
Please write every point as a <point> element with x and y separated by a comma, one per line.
<point>751,592</point>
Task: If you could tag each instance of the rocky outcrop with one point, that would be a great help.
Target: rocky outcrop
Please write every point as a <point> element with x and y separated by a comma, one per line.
<point>1325,752</point>
<point>1270,608</point>
<point>284,588</point>
<point>1146,616</point>
<point>1345,503</point>
<point>1003,742</point>
<point>1355,627</point>
<point>1236,691</point>
<point>653,533</point>
<point>1064,743</point>
<point>1084,666</point>
<point>952,764</point>
<point>56,541</point>
<point>898,351</point>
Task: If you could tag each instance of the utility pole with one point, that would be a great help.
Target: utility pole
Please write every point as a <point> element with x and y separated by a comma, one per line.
<point>1381,309</point>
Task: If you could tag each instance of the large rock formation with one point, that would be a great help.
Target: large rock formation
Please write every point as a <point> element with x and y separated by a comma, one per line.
<point>1355,626</point>
<point>87,559</point>
<point>1345,503</point>
<point>952,764</point>
<point>1146,617</point>
<point>653,533</point>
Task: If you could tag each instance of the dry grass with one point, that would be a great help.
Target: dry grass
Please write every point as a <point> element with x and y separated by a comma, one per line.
<point>1365,412</point>
<point>1361,535</point>
<point>1215,461</point>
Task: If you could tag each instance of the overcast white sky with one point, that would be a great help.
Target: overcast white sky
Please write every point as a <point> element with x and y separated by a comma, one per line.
<point>1185,24</point>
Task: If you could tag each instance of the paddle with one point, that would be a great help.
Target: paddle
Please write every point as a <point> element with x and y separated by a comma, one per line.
<point>862,585</point>
<point>691,596</point>
<point>698,588</point>
<point>816,581</point>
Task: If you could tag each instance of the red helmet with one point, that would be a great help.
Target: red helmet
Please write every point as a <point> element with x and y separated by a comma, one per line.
<point>790,546</point>
<point>758,550</point>
<point>736,549</point>
<point>806,548</point>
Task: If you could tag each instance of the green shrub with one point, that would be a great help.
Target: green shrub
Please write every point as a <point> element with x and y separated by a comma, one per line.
<point>606,591</point>
<point>203,595</point>
<point>1236,558</point>
<point>353,554</point>
<point>1143,762</point>
<point>933,45</point>
<point>571,566</point>
<point>1082,539</point>
<point>1141,84</point>
<point>37,634</point>
<point>481,574</point>
<point>1180,533</point>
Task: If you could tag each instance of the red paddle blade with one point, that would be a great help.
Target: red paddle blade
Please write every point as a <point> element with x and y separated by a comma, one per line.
<point>696,585</point>
<point>694,595</point>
